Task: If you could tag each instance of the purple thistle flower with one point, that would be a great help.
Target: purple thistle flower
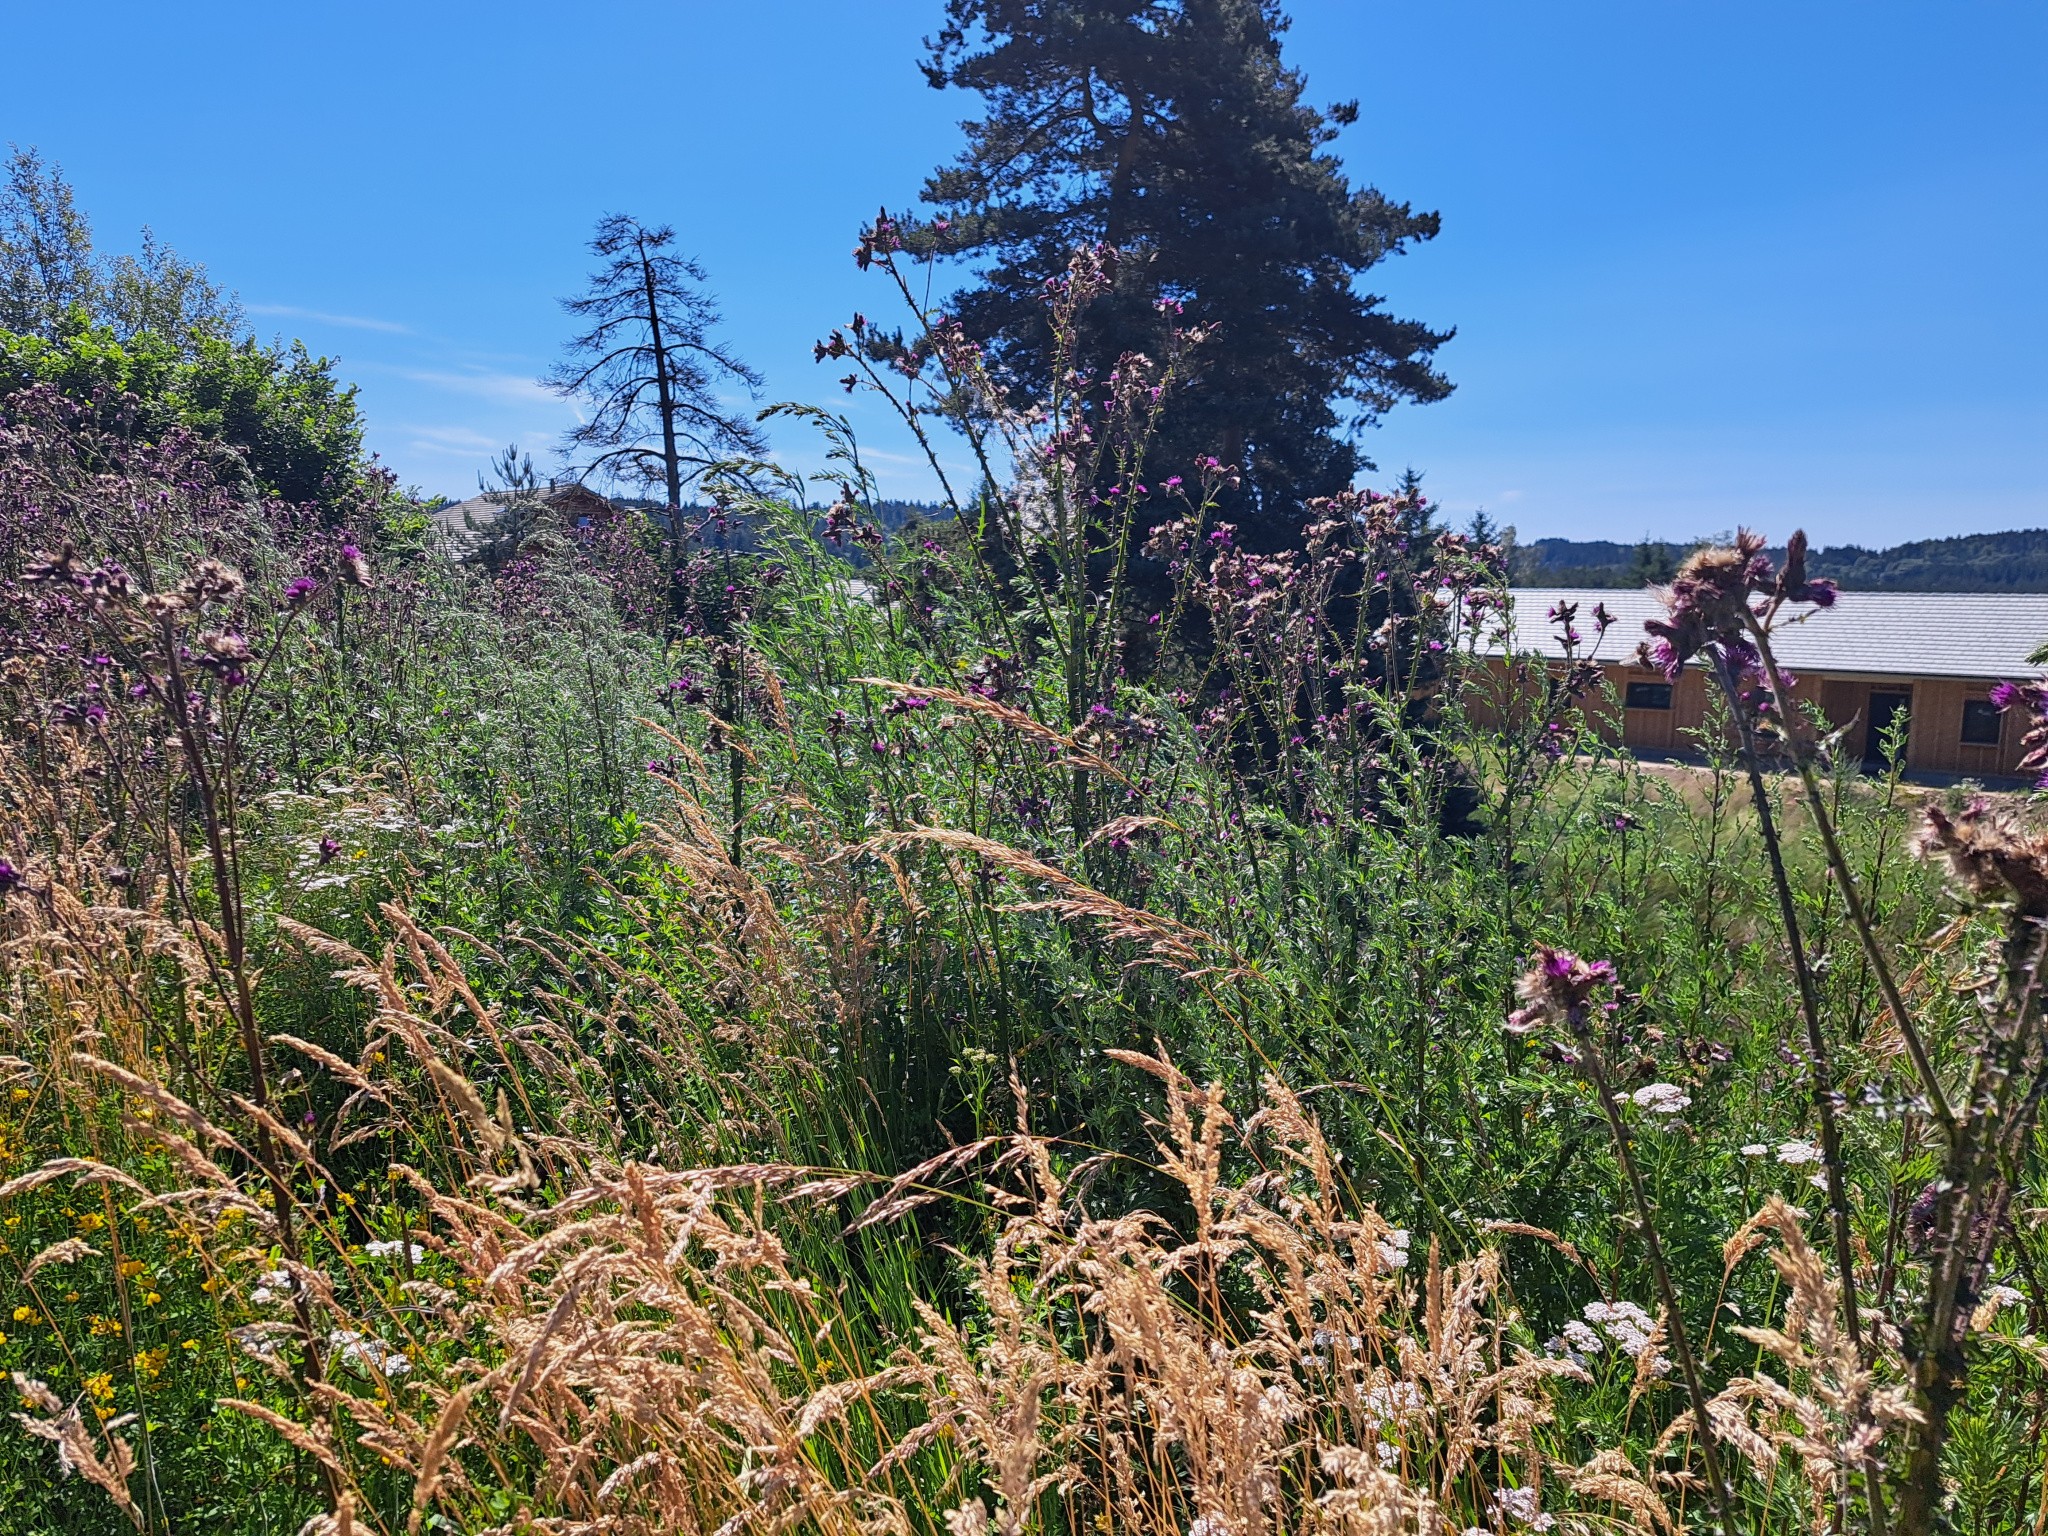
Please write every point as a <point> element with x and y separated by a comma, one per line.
<point>1793,587</point>
<point>1559,987</point>
<point>11,879</point>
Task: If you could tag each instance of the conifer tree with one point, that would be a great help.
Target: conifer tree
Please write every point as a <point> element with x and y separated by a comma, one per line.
<point>1172,130</point>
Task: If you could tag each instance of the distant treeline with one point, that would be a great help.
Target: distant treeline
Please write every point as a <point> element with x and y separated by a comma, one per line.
<point>1973,562</point>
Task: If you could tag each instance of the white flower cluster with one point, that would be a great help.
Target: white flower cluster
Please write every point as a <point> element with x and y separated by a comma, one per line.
<point>1584,1338</point>
<point>1394,1248</point>
<point>366,1353</point>
<point>1386,1403</point>
<point>1661,1099</point>
<point>1624,1324</point>
<point>391,1250</point>
<point>272,1285</point>
<point>1796,1154</point>
<point>351,821</point>
<point>1522,1506</point>
<point>258,1340</point>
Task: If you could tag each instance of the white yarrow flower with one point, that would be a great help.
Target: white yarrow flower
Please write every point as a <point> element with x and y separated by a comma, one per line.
<point>1522,1506</point>
<point>1583,1338</point>
<point>364,1352</point>
<point>1661,1098</point>
<point>1393,1248</point>
<point>1796,1153</point>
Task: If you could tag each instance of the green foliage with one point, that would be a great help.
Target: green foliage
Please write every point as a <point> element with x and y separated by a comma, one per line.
<point>50,273</point>
<point>293,428</point>
<point>379,920</point>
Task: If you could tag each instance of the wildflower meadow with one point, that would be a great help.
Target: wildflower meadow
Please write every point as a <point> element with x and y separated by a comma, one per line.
<point>1055,1017</point>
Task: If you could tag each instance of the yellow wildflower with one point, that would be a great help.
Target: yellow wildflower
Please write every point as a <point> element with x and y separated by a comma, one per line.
<point>26,1315</point>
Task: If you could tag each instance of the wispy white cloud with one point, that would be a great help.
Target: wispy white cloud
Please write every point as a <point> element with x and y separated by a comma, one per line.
<point>353,322</point>
<point>450,442</point>
<point>515,387</point>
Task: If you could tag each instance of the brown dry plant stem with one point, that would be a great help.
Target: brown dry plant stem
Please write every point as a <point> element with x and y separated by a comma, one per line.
<point>1963,1230</point>
<point>215,785</point>
<point>1819,1060</point>
<point>1595,1068</point>
<point>1859,915</point>
<point>1970,1211</point>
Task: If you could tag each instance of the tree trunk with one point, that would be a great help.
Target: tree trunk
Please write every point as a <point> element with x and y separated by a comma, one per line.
<point>665,400</point>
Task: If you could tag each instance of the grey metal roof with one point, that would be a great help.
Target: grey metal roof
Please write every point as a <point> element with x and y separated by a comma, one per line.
<point>1879,634</point>
<point>462,526</point>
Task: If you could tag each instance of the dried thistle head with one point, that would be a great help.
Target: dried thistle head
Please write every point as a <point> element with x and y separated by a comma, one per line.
<point>210,582</point>
<point>1708,600</point>
<point>1990,855</point>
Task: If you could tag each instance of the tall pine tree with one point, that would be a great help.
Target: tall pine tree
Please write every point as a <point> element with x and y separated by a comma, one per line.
<point>1171,129</point>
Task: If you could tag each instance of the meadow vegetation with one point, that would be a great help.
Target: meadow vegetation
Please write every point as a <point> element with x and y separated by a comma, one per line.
<point>1072,1026</point>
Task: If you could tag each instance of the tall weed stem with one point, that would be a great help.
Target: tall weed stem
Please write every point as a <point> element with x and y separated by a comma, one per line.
<point>1819,1061</point>
<point>1859,915</point>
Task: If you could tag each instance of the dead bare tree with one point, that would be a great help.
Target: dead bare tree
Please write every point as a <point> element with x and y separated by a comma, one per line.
<point>648,371</point>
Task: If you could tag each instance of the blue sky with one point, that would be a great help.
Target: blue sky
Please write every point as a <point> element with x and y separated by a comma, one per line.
<point>1710,264</point>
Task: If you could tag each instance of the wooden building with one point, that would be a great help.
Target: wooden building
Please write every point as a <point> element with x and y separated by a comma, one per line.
<point>1874,657</point>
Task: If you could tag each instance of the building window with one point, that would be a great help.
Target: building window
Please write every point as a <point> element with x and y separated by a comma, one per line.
<point>1981,723</point>
<point>1652,696</point>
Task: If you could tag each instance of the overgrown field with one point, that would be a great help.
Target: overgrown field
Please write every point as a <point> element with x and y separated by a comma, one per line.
<point>1028,1040</point>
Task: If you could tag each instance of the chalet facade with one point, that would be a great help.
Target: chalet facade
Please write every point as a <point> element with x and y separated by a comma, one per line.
<point>1874,658</point>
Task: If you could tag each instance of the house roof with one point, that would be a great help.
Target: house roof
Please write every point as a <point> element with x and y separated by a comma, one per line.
<point>462,527</point>
<point>453,524</point>
<point>1875,634</point>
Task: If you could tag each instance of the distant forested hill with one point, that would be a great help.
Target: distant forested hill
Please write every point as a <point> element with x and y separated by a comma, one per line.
<point>1971,562</point>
